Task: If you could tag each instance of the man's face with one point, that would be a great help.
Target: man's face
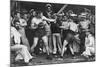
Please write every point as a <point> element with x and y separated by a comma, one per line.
<point>34,13</point>
<point>18,15</point>
<point>17,24</point>
<point>49,8</point>
<point>70,20</point>
<point>40,15</point>
<point>25,15</point>
<point>65,18</point>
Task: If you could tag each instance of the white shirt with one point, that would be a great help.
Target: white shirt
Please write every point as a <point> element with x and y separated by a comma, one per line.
<point>65,24</point>
<point>35,21</point>
<point>23,22</point>
<point>90,41</point>
<point>85,24</point>
<point>73,26</point>
<point>16,35</point>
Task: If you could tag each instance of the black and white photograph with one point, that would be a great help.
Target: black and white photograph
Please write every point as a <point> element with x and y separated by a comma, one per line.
<point>44,33</point>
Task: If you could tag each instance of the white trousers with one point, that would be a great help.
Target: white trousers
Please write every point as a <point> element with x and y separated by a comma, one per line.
<point>22,52</point>
<point>89,51</point>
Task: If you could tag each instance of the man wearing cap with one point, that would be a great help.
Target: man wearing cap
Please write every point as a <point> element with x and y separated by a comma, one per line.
<point>49,14</point>
<point>84,26</point>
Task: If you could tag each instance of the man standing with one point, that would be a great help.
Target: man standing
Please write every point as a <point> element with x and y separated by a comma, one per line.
<point>84,26</point>
<point>70,28</point>
<point>38,23</point>
<point>48,13</point>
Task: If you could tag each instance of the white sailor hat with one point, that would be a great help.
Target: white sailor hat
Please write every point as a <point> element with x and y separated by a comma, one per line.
<point>48,5</point>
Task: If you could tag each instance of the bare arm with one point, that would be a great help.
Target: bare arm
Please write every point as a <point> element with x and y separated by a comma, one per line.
<point>65,25</point>
<point>47,19</point>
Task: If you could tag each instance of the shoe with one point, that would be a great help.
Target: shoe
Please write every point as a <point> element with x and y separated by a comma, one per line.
<point>32,59</point>
<point>33,55</point>
<point>55,56</point>
<point>29,64</point>
<point>61,56</point>
<point>60,59</point>
<point>54,52</point>
<point>74,57</point>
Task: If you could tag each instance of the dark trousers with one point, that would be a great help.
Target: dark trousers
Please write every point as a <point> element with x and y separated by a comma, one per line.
<point>82,41</point>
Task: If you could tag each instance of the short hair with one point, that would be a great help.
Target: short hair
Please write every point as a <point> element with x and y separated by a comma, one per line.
<point>17,12</point>
<point>39,12</point>
<point>31,11</point>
